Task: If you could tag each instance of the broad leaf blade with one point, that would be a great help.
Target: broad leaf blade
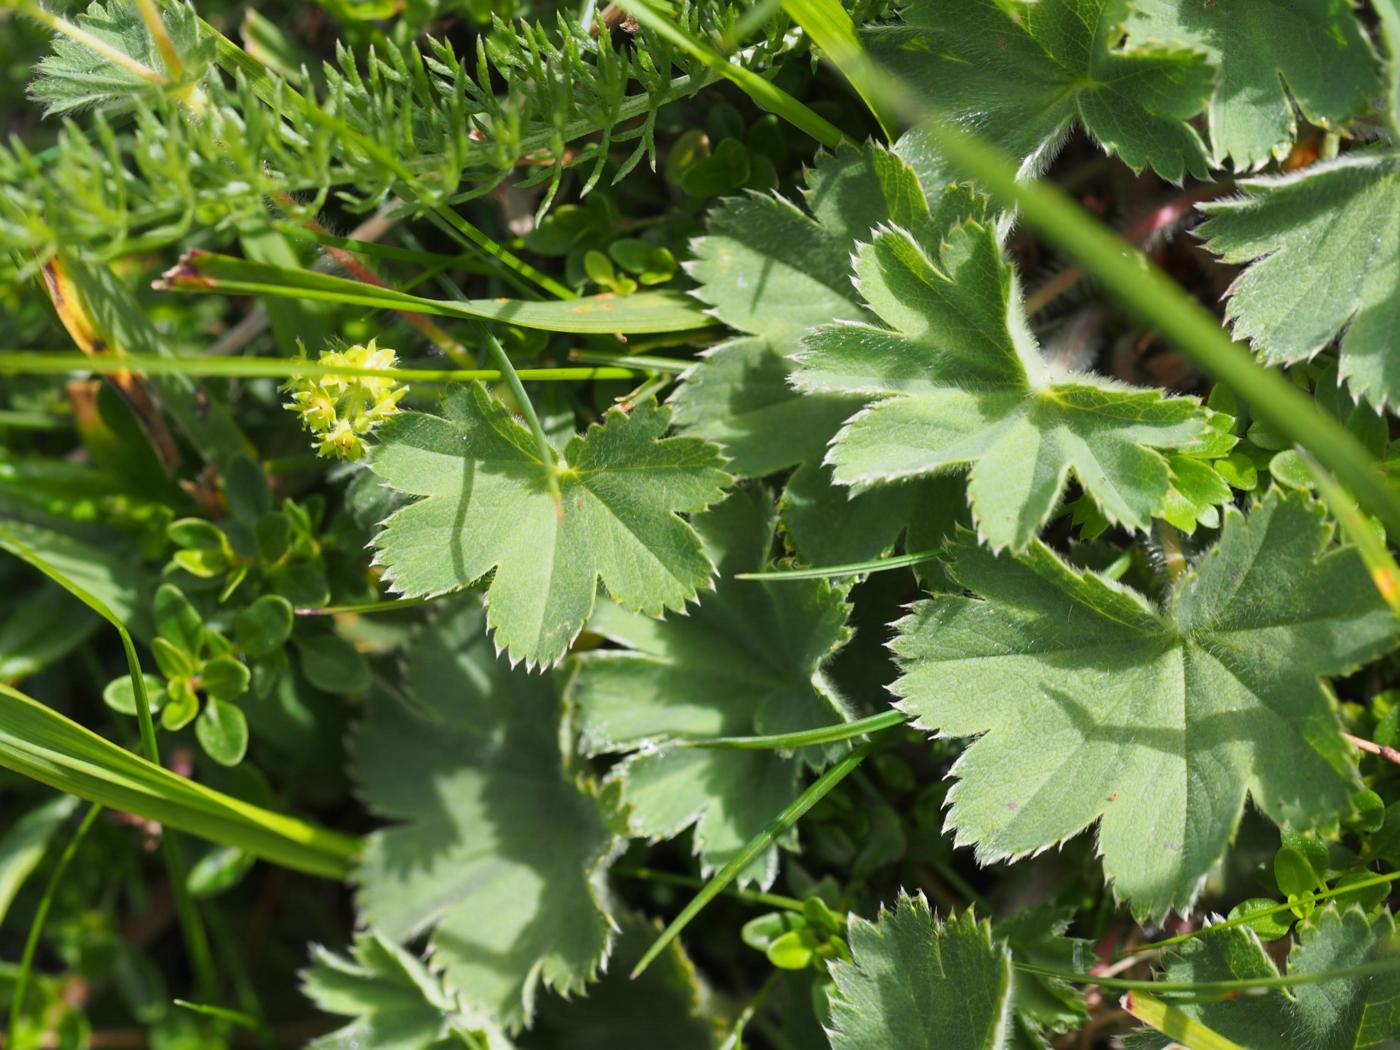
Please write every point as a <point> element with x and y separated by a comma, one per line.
<point>496,853</point>
<point>747,661</point>
<point>1024,72</point>
<point>921,983</point>
<point>1324,248</point>
<point>486,507</point>
<point>956,383</point>
<point>1270,53</point>
<point>1091,705</point>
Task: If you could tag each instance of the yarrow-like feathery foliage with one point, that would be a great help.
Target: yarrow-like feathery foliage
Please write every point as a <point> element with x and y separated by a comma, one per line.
<point>879,555</point>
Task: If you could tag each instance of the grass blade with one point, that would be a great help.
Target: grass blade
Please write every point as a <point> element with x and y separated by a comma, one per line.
<point>756,845</point>
<point>805,738</point>
<point>641,313</point>
<point>46,746</point>
<point>854,568</point>
<point>832,30</point>
<point>766,94</point>
<point>41,915</point>
<point>1174,1024</point>
<point>63,363</point>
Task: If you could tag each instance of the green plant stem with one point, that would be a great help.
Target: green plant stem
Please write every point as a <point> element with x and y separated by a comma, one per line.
<point>669,365</point>
<point>856,568</point>
<point>770,900</point>
<point>765,93</point>
<point>41,915</point>
<point>805,738</point>
<point>790,815</point>
<point>1253,916</point>
<point>387,605</point>
<point>549,458</point>
<point>1242,984</point>
<point>502,255</point>
<point>64,362</point>
<point>14,420</point>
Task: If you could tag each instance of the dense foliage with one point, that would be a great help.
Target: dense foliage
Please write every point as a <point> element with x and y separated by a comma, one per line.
<point>631,526</point>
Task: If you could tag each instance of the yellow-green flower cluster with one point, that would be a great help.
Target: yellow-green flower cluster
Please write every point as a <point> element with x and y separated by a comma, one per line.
<point>342,410</point>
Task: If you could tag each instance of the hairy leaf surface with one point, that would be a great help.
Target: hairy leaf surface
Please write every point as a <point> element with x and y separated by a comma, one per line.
<point>470,773</point>
<point>1024,72</point>
<point>921,983</point>
<point>746,662</point>
<point>1090,704</point>
<point>1324,244</point>
<point>487,507</point>
<point>1357,1013</point>
<point>957,381</point>
<point>394,1002</point>
<point>1269,53</point>
<point>771,269</point>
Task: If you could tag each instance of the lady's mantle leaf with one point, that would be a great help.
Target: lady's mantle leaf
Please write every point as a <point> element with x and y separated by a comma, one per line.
<point>746,661</point>
<point>488,507</point>
<point>1345,1014</point>
<point>919,983</point>
<point>768,268</point>
<point>1325,246</point>
<point>395,1003</point>
<point>1089,703</point>
<point>1023,72</point>
<point>661,1008</point>
<point>957,380</point>
<point>77,77</point>
<point>1316,48</point>
<point>497,853</point>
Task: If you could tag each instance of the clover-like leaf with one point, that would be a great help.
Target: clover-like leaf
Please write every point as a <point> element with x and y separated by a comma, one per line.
<point>957,381</point>
<point>746,661</point>
<point>1324,244</point>
<point>1091,704</point>
<point>487,506</point>
<point>393,1001</point>
<point>496,852</point>
<point>1024,72</point>
<point>1270,53</point>
<point>918,982</point>
<point>1348,1013</point>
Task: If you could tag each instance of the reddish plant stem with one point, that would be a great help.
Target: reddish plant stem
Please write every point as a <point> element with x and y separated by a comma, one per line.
<point>1390,754</point>
<point>1168,214</point>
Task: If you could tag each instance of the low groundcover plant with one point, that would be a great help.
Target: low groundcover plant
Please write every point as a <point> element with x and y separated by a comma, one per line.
<point>700,524</point>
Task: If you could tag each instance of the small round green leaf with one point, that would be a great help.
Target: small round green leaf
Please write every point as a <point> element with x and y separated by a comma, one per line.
<point>223,732</point>
<point>222,868</point>
<point>794,950</point>
<point>274,536</point>
<point>225,678</point>
<point>264,626</point>
<point>177,621</point>
<point>1268,927</point>
<point>181,706</point>
<point>120,694</point>
<point>173,661</point>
